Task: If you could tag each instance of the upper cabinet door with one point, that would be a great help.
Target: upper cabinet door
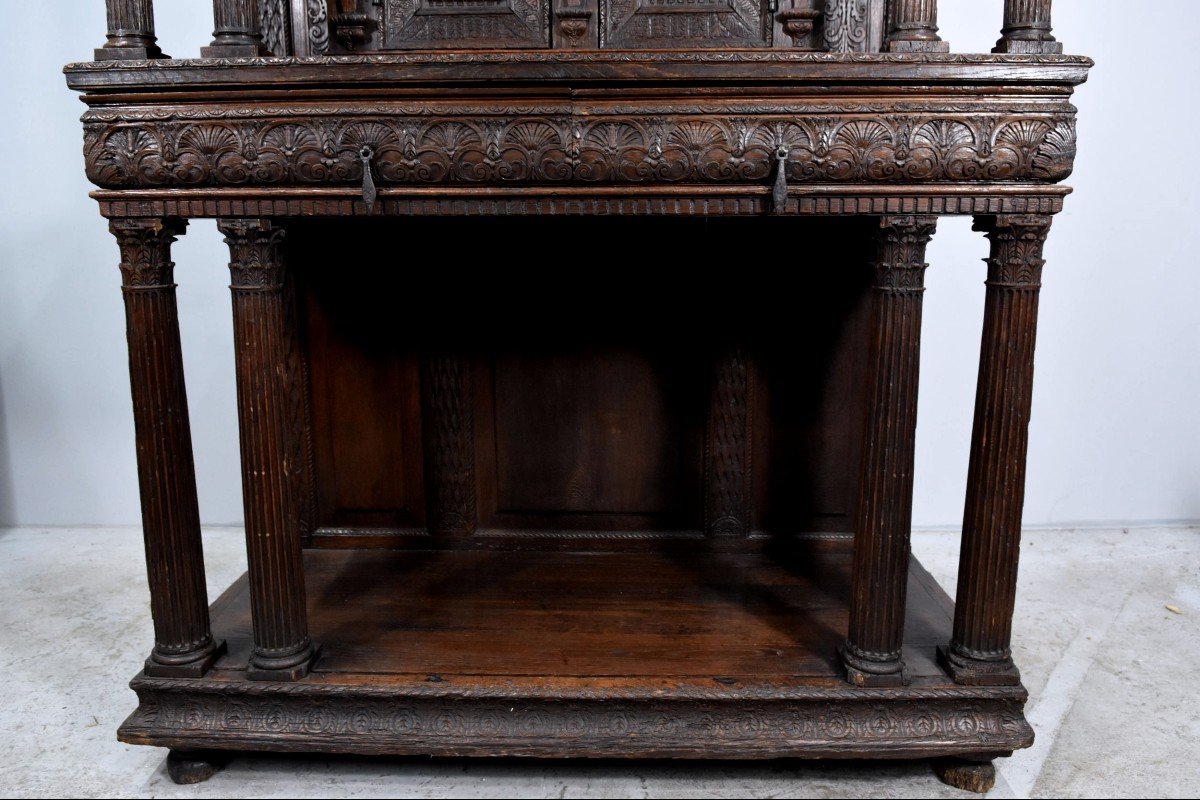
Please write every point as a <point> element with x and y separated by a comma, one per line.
<point>430,24</point>
<point>685,24</point>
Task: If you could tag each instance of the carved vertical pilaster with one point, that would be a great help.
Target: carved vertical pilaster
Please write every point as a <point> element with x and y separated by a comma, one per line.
<point>312,30</point>
<point>879,579</point>
<point>130,31</point>
<point>448,423</point>
<point>183,642</point>
<point>853,26</point>
<point>270,389</point>
<point>727,448</point>
<point>237,30</point>
<point>979,652</point>
<point>275,22</point>
<point>1027,28</point>
<point>912,27</point>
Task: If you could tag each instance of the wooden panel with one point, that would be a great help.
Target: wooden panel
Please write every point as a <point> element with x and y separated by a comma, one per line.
<point>595,437</point>
<point>366,402</point>
<point>685,23</point>
<point>430,24</point>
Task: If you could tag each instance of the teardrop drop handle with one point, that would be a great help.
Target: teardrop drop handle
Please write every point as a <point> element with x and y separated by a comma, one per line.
<point>366,154</point>
<point>779,192</point>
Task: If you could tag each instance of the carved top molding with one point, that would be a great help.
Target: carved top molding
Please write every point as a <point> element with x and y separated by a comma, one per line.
<point>351,73</point>
<point>569,57</point>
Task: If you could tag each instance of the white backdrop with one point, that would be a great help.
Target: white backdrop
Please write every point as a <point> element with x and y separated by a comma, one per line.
<point>1115,434</point>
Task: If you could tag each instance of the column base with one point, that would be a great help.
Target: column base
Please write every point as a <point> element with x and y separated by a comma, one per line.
<point>975,672</point>
<point>128,53</point>
<point>970,776</point>
<point>872,674</point>
<point>233,51</point>
<point>917,46</point>
<point>187,767</point>
<point>265,670</point>
<point>1028,47</point>
<point>195,668</point>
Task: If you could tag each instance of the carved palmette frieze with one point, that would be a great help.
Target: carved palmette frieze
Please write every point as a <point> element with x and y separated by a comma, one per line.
<point>145,246</point>
<point>564,148</point>
<point>256,260</point>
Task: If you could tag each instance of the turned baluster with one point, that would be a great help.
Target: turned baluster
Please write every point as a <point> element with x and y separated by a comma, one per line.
<point>912,28</point>
<point>130,31</point>
<point>238,30</point>
<point>1027,28</point>
<point>270,389</point>
<point>882,531</point>
<point>979,651</point>
<point>183,643</point>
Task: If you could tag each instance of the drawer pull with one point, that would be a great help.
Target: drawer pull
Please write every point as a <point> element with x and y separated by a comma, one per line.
<point>779,192</point>
<point>365,154</point>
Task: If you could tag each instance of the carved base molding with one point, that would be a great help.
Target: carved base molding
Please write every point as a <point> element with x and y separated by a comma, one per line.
<point>675,721</point>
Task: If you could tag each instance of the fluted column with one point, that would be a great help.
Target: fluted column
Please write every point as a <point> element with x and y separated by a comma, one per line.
<point>879,578</point>
<point>979,652</point>
<point>238,30</point>
<point>130,31</point>
<point>1027,28</point>
<point>270,386</point>
<point>912,28</point>
<point>183,641</point>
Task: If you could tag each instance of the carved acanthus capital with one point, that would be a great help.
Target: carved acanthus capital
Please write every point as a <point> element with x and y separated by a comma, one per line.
<point>146,250</point>
<point>255,253</point>
<point>1017,243</point>
<point>900,264</point>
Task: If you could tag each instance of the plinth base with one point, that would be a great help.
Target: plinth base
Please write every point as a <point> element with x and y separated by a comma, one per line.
<point>559,654</point>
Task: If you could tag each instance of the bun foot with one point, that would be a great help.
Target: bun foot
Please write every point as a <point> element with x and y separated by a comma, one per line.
<point>971,776</point>
<point>187,767</point>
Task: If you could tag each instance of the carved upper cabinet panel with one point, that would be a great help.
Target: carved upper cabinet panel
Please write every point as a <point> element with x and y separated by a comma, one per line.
<point>428,24</point>
<point>685,23</point>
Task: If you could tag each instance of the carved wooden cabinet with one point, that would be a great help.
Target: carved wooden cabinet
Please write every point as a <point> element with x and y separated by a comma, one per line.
<point>577,351</point>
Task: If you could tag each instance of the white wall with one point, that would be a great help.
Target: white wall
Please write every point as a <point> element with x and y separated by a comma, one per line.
<point>1115,434</point>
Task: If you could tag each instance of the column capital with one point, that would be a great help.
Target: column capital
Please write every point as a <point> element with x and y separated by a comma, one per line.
<point>255,253</point>
<point>900,259</point>
<point>1017,245</point>
<point>145,244</point>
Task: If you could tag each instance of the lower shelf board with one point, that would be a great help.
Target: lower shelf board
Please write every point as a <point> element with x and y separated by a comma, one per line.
<point>655,655</point>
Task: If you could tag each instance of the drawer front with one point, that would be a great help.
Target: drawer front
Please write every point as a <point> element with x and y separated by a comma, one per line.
<point>432,24</point>
<point>685,23</point>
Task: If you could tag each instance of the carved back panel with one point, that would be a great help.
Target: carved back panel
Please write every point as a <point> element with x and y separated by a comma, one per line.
<point>685,23</point>
<point>426,24</point>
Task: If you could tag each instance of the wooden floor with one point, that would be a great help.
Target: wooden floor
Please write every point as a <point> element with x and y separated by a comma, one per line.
<point>585,615</point>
